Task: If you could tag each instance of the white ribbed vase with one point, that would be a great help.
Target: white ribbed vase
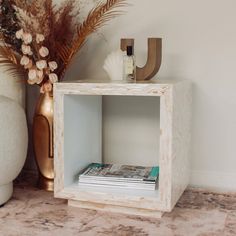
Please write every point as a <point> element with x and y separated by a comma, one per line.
<point>13,144</point>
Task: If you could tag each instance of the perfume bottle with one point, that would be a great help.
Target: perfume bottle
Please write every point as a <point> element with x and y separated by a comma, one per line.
<point>129,65</point>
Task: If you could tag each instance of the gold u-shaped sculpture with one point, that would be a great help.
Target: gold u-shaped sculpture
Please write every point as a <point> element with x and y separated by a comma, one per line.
<point>153,61</point>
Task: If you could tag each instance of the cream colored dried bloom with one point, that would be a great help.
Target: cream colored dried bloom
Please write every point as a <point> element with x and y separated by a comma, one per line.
<point>26,49</point>
<point>52,65</point>
<point>42,64</point>
<point>24,61</point>
<point>19,34</point>
<point>29,65</point>
<point>39,76</point>
<point>32,74</point>
<point>53,77</point>
<point>27,38</point>
<point>47,87</point>
<point>32,81</point>
<point>43,51</point>
<point>40,38</point>
<point>40,73</point>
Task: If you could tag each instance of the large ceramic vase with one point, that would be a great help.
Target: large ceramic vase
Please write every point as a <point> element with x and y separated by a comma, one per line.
<point>13,145</point>
<point>43,140</point>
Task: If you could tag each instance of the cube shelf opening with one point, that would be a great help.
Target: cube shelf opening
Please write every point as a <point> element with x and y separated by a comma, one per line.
<point>110,129</point>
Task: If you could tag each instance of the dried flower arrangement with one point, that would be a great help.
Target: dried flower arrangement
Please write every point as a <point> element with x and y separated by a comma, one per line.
<point>40,40</point>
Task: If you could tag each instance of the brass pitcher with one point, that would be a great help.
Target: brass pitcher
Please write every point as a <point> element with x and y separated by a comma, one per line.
<point>43,140</point>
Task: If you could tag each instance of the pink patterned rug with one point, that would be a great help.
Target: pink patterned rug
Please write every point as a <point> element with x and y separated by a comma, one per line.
<point>33,212</point>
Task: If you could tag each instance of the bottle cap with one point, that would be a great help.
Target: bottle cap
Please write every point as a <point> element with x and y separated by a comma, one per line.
<point>129,50</point>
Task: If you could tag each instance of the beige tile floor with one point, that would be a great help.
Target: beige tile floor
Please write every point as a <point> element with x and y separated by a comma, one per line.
<point>33,212</point>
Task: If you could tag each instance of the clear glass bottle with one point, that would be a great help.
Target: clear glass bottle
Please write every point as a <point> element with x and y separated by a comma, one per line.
<point>129,65</point>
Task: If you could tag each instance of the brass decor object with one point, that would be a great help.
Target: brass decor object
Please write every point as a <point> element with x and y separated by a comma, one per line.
<point>153,61</point>
<point>43,140</point>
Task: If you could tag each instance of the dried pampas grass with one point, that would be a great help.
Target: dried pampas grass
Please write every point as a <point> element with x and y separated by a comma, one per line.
<point>64,34</point>
<point>96,18</point>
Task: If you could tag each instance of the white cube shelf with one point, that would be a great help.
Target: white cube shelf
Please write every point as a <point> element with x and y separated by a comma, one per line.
<point>82,135</point>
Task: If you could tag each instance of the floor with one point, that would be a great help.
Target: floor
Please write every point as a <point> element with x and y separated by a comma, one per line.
<point>36,212</point>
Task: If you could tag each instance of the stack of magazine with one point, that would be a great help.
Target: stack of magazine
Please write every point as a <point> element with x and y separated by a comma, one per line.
<point>119,176</point>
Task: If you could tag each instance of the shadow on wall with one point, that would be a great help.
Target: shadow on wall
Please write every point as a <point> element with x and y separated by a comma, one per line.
<point>32,93</point>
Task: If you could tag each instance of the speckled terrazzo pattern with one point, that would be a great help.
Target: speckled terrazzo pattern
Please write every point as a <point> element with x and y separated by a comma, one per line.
<point>35,212</point>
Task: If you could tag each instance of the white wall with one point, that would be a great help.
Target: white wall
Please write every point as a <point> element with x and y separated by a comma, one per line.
<point>199,44</point>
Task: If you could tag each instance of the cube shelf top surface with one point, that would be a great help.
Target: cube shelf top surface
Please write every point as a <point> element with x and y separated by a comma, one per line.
<point>106,87</point>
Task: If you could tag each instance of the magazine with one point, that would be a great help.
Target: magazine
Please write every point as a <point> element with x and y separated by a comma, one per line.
<point>123,186</point>
<point>114,175</point>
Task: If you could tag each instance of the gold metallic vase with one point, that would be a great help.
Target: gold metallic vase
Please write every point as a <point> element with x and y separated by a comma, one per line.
<point>43,140</point>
